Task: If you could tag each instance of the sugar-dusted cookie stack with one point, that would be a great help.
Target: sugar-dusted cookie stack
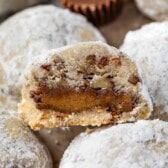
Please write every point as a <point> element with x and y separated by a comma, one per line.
<point>60,80</point>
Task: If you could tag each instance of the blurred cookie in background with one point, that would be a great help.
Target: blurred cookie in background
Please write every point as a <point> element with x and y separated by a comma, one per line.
<point>11,6</point>
<point>155,9</point>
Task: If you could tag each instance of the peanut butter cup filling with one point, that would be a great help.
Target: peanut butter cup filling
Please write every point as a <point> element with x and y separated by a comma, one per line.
<point>67,100</point>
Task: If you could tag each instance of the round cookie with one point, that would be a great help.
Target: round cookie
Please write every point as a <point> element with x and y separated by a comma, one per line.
<point>148,48</point>
<point>11,6</point>
<point>19,147</point>
<point>155,9</point>
<point>39,29</point>
<point>89,83</point>
<point>142,144</point>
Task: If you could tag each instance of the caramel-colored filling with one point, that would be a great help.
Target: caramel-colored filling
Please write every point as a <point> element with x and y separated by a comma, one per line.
<point>69,100</point>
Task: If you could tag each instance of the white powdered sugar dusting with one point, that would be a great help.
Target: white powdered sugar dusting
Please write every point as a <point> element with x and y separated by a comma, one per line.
<point>19,147</point>
<point>148,47</point>
<point>155,9</point>
<point>142,144</point>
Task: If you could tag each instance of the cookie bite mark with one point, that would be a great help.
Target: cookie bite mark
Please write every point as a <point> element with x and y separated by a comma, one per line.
<point>86,84</point>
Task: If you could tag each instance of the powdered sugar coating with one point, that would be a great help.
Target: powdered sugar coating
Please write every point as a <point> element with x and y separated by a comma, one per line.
<point>142,144</point>
<point>4,90</point>
<point>34,31</point>
<point>15,5</point>
<point>148,48</point>
<point>19,147</point>
<point>3,80</point>
<point>155,9</point>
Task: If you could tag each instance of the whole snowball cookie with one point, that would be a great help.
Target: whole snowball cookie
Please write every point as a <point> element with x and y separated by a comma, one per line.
<point>155,9</point>
<point>27,35</point>
<point>19,147</point>
<point>10,6</point>
<point>148,47</point>
<point>34,31</point>
<point>142,144</point>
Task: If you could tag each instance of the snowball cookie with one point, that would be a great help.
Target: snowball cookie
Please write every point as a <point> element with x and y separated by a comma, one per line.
<point>149,48</point>
<point>58,140</point>
<point>155,9</point>
<point>36,30</point>
<point>10,6</point>
<point>142,144</point>
<point>88,83</point>
<point>19,147</point>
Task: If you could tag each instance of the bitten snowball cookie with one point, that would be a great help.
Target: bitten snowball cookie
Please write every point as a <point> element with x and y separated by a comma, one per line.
<point>148,47</point>
<point>34,31</point>
<point>18,146</point>
<point>10,6</point>
<point>142,144</point>
<point>155,9</point>
<point>88,83</point>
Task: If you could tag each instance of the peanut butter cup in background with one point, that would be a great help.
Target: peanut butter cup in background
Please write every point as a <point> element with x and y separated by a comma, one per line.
<point>98,12</point>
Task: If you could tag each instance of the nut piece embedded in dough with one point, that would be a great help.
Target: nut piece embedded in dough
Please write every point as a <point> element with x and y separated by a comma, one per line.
<point>84,84</point>
<point>154,9</point>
